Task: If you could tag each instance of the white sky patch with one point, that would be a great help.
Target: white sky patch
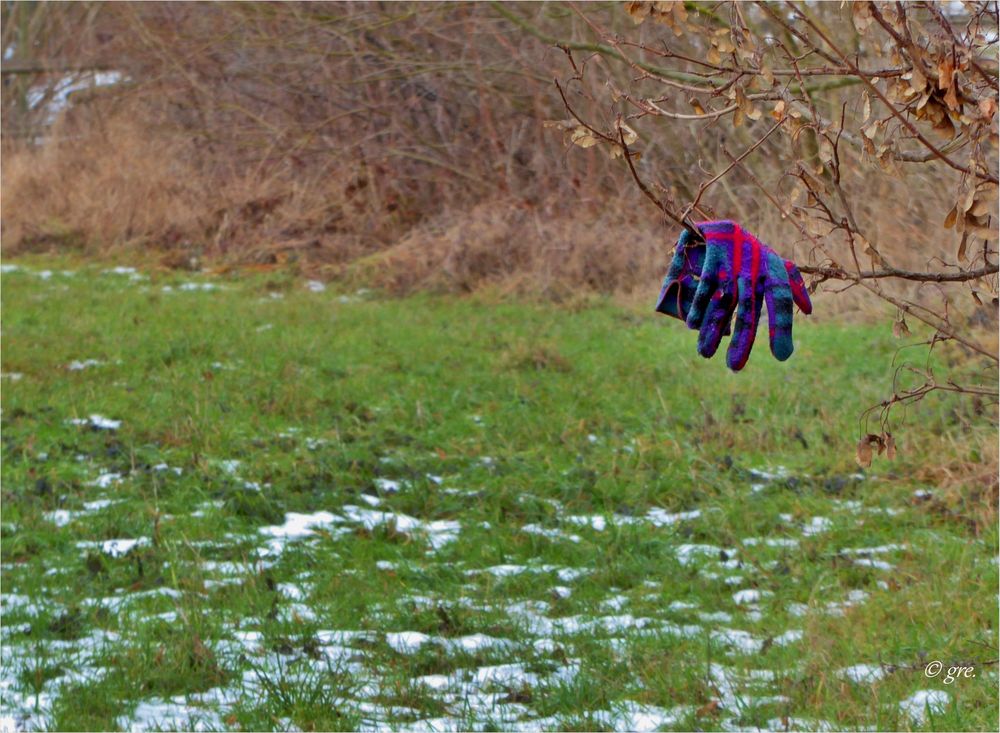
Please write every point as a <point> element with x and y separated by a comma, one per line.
<point>917,704</point>
<point>55,98</point>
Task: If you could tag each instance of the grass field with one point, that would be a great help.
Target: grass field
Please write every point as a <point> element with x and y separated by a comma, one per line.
<point>247,503</point>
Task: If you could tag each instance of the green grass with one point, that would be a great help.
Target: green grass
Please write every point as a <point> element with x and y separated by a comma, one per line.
<point>239,408</point>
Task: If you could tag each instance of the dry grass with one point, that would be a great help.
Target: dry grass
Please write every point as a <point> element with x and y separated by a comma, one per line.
<point>120,187</point>
<point>521,248</point>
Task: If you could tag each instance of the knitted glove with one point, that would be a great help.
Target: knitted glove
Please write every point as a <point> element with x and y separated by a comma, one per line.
<point>681,282</point>
<point>706,282</point>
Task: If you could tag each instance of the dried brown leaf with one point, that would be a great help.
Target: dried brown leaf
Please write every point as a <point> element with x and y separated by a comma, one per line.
<point>863,453</point>
<point>987,108</point>
<point>978,227</point>
<point>900,329</point>
<point>768,74</point>
<point>861,14</point>
<point>627,133</point>
<point>949,221</point>
<point>951,97</point>
<point>962,245</point>
<point>826,151</point>
<point>945,70</point>
<point>583,137</point>
<point>569,124</point>
<point>638,11</point>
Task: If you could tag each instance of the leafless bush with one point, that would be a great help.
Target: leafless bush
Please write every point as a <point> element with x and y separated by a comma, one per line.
<point>327,129</point>
<point>813,107</point>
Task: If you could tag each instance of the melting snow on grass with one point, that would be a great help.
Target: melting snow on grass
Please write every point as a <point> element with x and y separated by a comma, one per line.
<point>917,705</point>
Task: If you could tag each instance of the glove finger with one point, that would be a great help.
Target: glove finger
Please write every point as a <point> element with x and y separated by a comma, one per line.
<point>716,322</point>
<point>798,287</point>
<point>747,318</point>
<point>679,285</point>
<point>707,287</point>
<point>779,319</point>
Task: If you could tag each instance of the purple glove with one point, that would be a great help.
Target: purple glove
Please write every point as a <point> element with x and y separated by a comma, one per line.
<point>681,281</point>
<point>707,282</point>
